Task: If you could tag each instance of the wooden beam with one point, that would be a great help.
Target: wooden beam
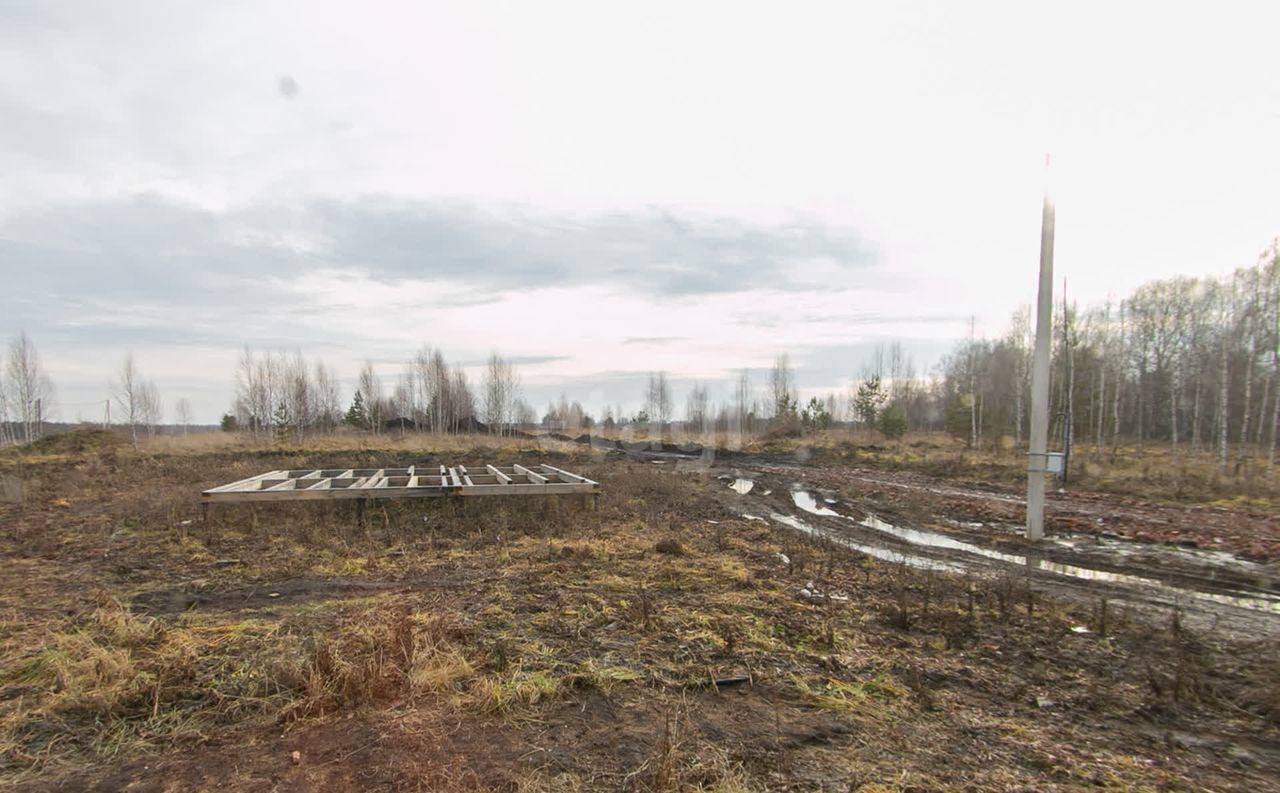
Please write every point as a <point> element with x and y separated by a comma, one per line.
<point>565,476</point>
<point>548,489</point>
<point>342,494</point>
<point>502,478</point>
<point>533,476</point>
<point>243,484</point>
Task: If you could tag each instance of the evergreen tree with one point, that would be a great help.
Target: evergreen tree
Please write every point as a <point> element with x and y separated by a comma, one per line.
<point>281,422</point>
<point>357,416</point>
<point>815,415</point>
<point>866,404</point>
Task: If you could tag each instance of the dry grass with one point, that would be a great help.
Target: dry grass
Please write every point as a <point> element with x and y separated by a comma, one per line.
<point>1155,470</point>
<point>520,627</point>
<point>111,682</point>
<point>1152,470</point>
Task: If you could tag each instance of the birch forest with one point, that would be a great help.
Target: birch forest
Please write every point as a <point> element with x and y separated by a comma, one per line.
<point>1191,362</point>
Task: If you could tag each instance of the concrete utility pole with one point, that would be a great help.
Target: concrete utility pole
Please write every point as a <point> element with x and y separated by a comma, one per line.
<point>1038,458</point>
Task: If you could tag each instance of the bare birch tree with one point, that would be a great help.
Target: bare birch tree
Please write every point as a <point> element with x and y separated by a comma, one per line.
<point>152,407</point>
<point>328,410</point>
<point>298,394</point>
<point>370,385</point>
<point>28,390</point>
<point>695,411</point>
<point>438,396</point>
<point>462,403</point>
<point>658,398</point>
<point>129,391</point>
<point>498,393</point>
<point>182,413</point>
<point>423,387</point>
<point>782,386</point>
<point>6,426</point>
<point>742,400</point>
<point>524,414</point>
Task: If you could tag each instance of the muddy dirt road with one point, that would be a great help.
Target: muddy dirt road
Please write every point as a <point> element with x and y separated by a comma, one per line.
<point>1206,562</point>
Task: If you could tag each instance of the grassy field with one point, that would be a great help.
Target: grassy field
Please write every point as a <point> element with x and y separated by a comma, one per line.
<point>657,643</point>
<point>1153,470</point>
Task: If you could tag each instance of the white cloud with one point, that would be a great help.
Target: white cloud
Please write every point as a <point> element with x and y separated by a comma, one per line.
<point>920,126</point>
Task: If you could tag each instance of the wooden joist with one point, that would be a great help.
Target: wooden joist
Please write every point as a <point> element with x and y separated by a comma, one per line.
<point>533,477</point>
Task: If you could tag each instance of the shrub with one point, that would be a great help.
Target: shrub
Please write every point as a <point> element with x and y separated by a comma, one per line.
<point>893,422</point>
<point>670,546</point>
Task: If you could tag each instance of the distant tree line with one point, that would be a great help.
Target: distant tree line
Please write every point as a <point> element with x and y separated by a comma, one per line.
<point>27,397</point>
<point>1194,362</point>
<point>281,395</point>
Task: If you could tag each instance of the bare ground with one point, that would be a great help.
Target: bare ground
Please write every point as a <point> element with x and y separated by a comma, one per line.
<point>520,647</point>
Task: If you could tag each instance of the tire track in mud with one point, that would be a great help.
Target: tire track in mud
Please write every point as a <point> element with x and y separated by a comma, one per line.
<point>1219,591</point>
<point>1248,533</point>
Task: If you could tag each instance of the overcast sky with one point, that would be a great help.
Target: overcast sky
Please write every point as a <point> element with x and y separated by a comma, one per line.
<point>600,189</point>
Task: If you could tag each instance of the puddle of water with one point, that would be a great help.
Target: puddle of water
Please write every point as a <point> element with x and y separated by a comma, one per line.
<point>806,501</point>
<point>1127,548</point>
<point>884,554</point>
<point>937,540</point>
<point>932,539</point>
<point>1222,558</point>
<point>1089,574</point>
<point>742,486</point>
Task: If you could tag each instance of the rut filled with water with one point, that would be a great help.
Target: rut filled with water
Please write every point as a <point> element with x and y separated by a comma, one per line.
<point>912,547</point>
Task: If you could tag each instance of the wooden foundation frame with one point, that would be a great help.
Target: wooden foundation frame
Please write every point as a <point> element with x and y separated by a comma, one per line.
<point>412,482</point>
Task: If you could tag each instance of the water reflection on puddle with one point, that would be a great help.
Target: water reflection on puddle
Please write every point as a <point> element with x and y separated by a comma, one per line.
<point>874,551</point>
<point>933,539</point>
<point>808,502</point>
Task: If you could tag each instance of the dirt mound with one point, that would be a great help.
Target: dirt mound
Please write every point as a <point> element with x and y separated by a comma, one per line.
<point>77,441</point>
